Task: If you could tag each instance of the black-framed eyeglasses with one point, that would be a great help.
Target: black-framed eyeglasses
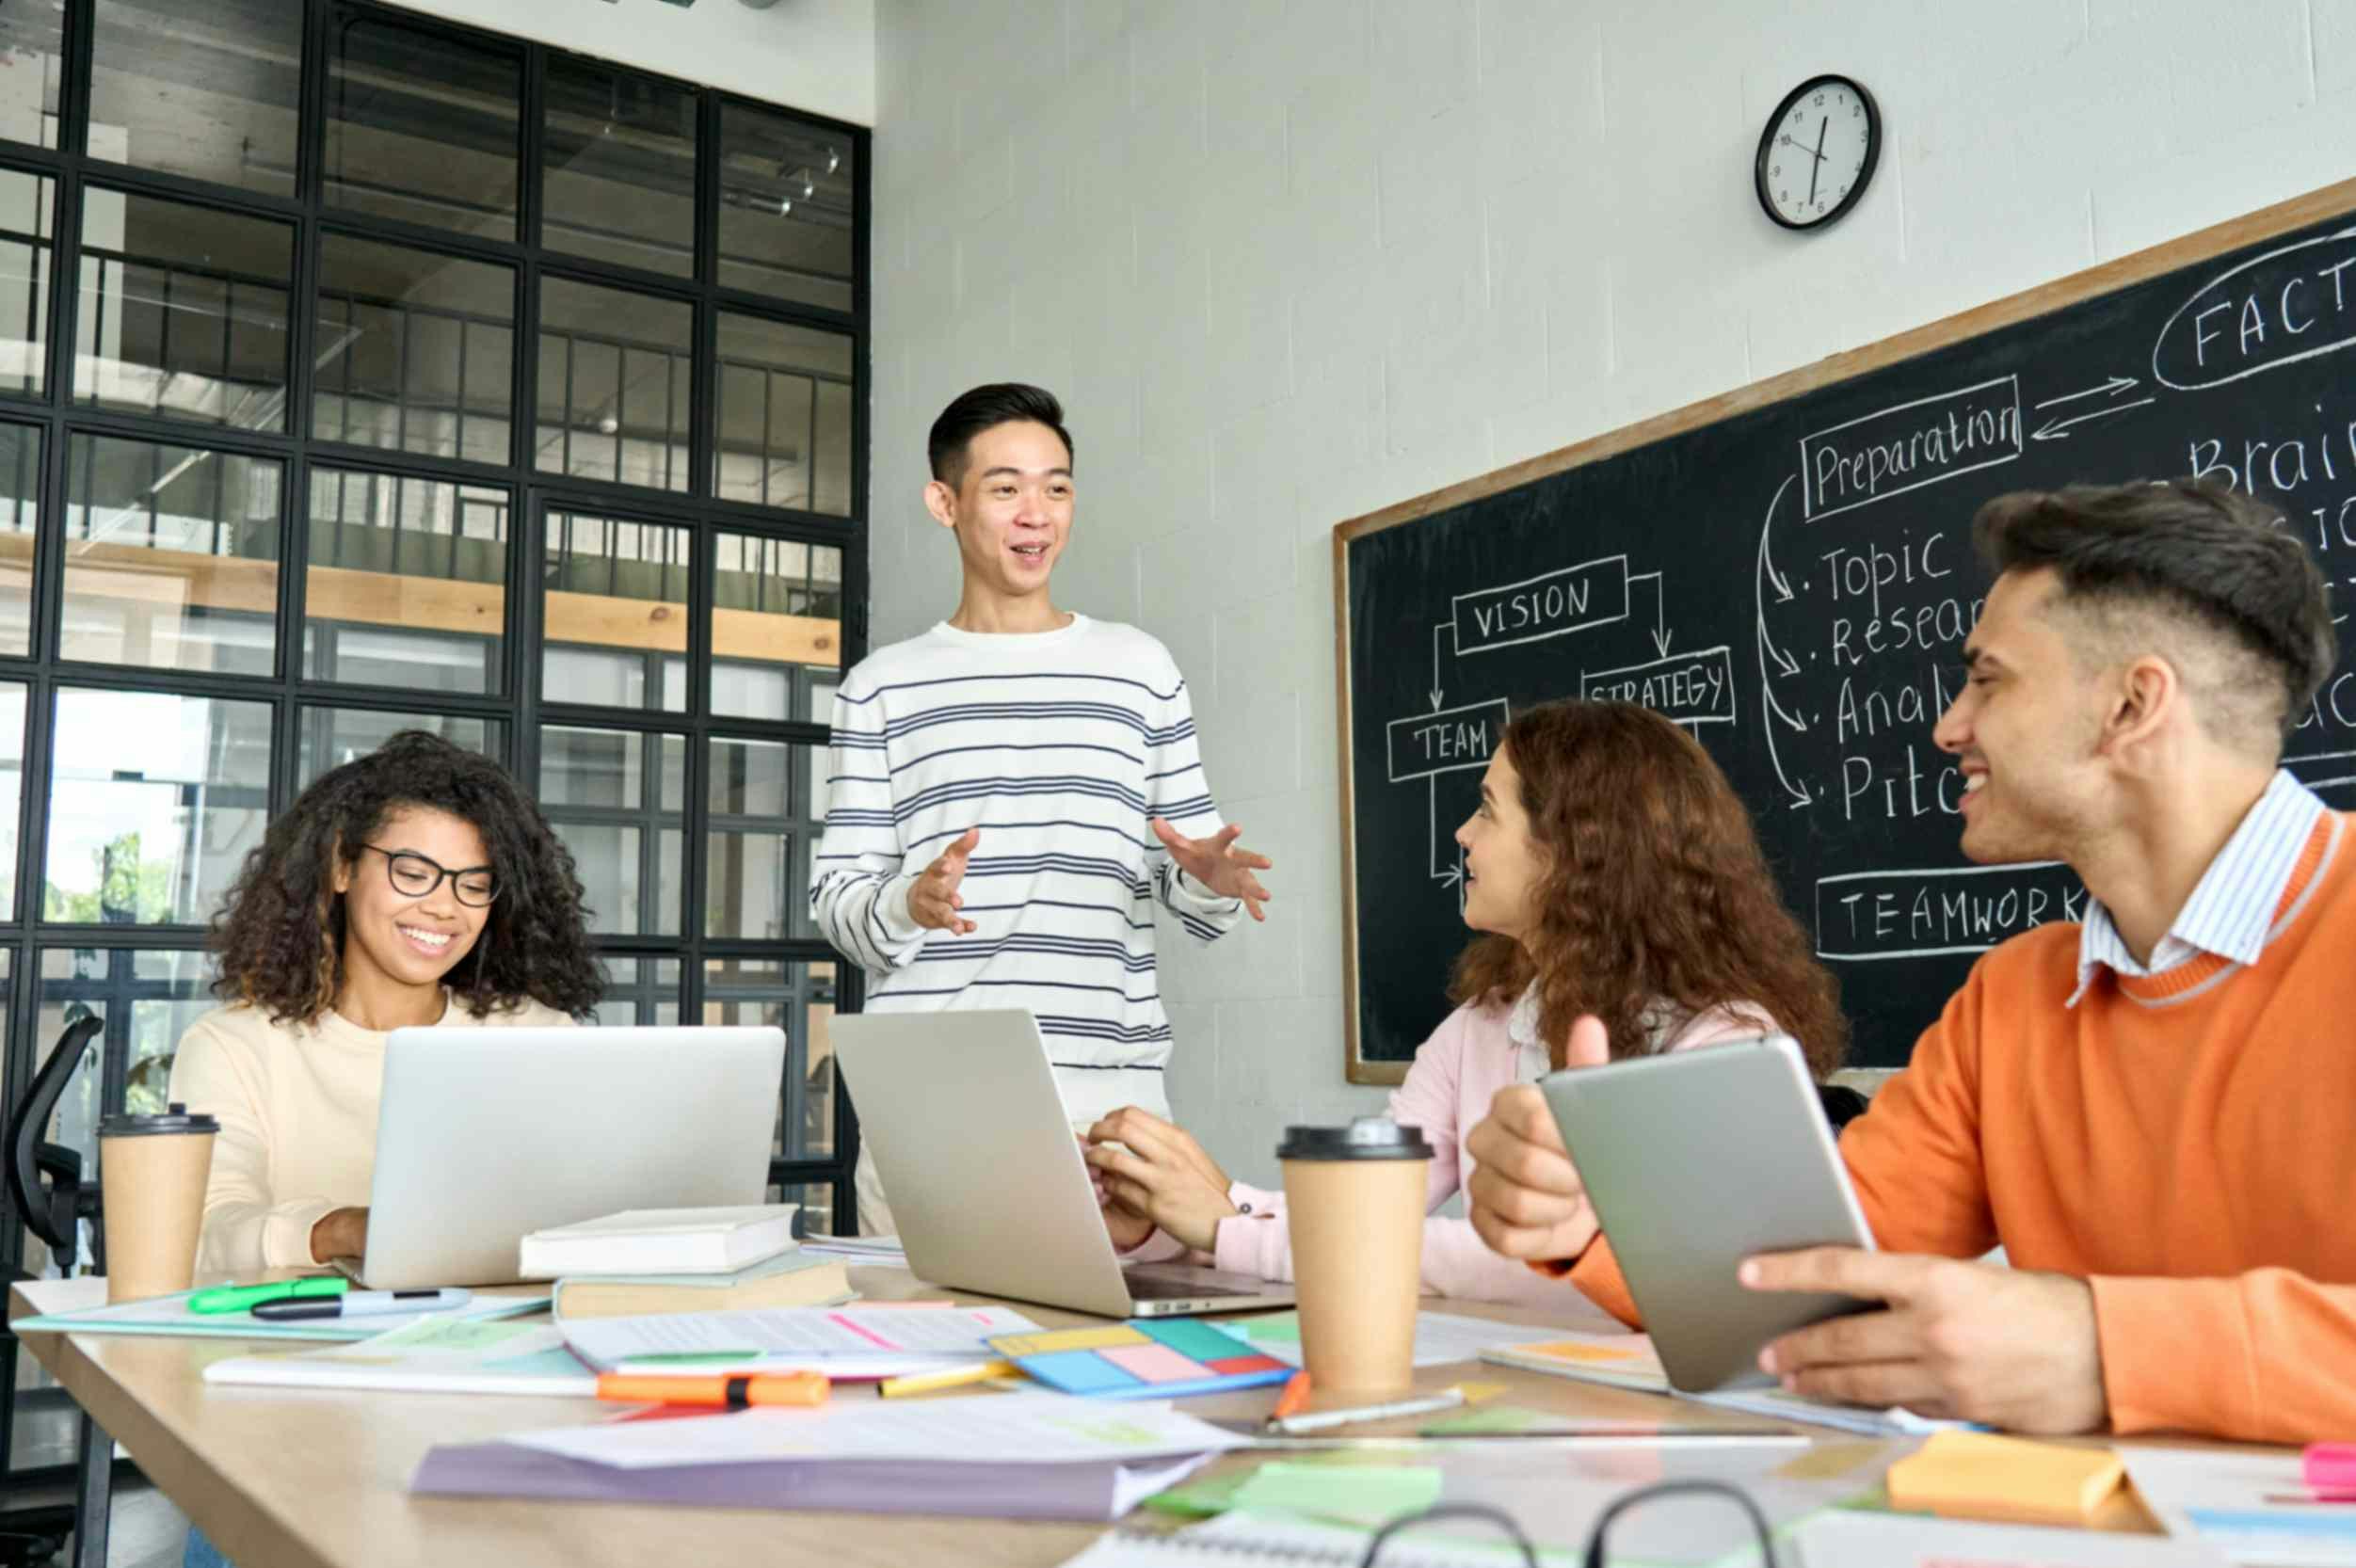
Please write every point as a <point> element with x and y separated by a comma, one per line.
<point>414,876</point>
<point>1597,1556</point>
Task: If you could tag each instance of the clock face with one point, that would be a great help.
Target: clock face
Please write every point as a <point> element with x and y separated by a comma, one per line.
<point>1818,153</point>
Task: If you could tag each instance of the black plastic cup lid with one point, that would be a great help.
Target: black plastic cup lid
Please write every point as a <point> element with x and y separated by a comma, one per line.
<point>176,1118</point>
<point>1364,1137</point>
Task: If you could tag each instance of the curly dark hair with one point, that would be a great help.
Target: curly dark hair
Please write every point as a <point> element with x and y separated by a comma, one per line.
<point>279,934</point>
<point>1654,891</point>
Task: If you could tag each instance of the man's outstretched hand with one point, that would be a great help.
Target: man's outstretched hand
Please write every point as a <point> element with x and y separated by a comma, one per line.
<point>1218,863</point>
<point>933,898</point>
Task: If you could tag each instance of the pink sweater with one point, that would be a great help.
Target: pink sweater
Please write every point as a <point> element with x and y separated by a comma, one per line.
<point>1476,1051</point>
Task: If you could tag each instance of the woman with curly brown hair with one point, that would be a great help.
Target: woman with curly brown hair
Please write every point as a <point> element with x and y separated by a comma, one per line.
<point>1615,875</point>
<point>417,884</point>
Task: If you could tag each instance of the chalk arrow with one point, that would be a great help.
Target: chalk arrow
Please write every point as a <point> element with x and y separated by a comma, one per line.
<point>2058,428</point>
<point>1784,662</point>
<point>2111,388</point>
<point>1767,563</point>
<point>1447,876</point>
<point>1450,627</point>
<point>1777,709</point>
<point>1660,610</point>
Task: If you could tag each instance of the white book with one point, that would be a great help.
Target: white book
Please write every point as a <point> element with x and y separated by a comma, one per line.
<point>662,1242</point>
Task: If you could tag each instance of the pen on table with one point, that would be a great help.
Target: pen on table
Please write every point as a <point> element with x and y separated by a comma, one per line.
<point>1323,1418</point>
<point>692,1358</point>
<point>1296,1395</point>
<point>238,1298</point>
<point>361,1303</point>
<point>735,1393</point>
<point>924,1382</point>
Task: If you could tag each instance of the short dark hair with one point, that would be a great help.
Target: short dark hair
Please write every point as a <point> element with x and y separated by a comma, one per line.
<point>2191,547</point>
<point>972,412</point>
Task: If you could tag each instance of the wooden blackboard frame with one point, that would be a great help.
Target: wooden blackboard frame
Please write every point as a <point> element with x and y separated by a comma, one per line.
<point>2330,201</point>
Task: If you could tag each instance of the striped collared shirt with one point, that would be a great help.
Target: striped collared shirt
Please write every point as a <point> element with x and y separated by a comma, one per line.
<point>2231,908</point>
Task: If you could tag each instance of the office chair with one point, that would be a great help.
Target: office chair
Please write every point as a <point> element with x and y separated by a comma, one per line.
<point>1842,1104</point>
<point>54,1211</point>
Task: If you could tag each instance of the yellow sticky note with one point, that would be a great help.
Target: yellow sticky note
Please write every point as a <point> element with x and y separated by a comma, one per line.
<point>1067,1340</point>
<point>1572,1350</point>
<point>1475,1393</point>
<point>1978,1474</point>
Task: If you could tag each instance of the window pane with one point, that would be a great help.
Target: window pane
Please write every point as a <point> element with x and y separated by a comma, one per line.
<point>153,801</point>
<point>20,526</point>
<point>621,172</point>
<point>785,207</point>
<point>406,582</point>
<point>620,804</point>
<point>616,604</point>
<point>183,311</point>
<point>415,351</point>
<point>422,127</point>
<point>147,998</point>
<point>639,991</point>
<point>614,384</point>
<point>171,558</point>
<point>785,425</point>
<point>32,39</point>
<point>205,89</point>
<point>799,999</point>
<point>817,1201</point>
<point>777,627</point>
<point>757,874</point>
<point>12,796</point>
<point>334,736</point>
<point>26,241</point>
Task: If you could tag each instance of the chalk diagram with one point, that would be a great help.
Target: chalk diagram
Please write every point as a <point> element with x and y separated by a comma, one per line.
<point>1692,688</point>
<point>1862,609</point>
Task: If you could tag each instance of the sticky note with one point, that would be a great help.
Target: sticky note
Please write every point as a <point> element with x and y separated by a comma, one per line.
<point>1977,1475</point>
<point>1066,1340</point>
<point>1190,1337</point>
<point>1571,1349</point>
<point>1079,1372</point>
<point>1153,1362</point>
<point>1367,1496</point>
<point>1282,1328</point>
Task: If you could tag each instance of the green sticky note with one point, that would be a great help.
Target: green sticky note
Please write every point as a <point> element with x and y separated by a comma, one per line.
<point>1368,1496</point>
<point>1280,1328</point>
<point>1199,1499</point>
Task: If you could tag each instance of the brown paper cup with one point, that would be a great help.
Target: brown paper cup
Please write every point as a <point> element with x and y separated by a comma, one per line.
<point>1356,1224</point>
<point>153,1179</point>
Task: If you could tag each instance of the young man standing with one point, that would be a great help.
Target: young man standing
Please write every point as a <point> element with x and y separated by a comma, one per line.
<point>2152,1111</point>
<point>1010,789</point>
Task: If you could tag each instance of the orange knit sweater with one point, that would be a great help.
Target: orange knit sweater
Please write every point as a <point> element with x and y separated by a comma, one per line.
<point>2185,1143</point>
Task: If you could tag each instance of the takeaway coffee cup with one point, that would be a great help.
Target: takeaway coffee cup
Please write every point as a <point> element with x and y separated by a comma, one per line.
<point>152,1175</point>
<point>1354,1200</point>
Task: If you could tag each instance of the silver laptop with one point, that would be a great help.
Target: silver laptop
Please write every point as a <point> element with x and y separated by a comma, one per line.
<point>485,1134</point>
<point>984,1176</point>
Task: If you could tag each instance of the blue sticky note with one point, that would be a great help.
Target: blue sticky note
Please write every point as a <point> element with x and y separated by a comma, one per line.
<point>1078,1372</point>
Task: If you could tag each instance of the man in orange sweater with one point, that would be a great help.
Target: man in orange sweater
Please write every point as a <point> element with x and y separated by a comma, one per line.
<point>2153,1112</point>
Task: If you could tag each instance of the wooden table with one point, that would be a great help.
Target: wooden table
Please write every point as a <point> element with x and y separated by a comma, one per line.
<point>319,1478</point>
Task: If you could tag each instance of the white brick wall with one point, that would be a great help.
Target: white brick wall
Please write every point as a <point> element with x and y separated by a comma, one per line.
<point>1289,263</point>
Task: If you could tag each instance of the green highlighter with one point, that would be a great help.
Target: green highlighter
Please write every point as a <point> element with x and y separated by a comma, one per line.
<point>241,1298</point>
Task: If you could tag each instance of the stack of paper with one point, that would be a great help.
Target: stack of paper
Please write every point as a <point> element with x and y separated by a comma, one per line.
<point>1020,1456</point>
<point>441,1356</point>
<point>661,1241</point>
<point>2246,1506</point>
<point>841,1342</point>
<point>171,1314</point>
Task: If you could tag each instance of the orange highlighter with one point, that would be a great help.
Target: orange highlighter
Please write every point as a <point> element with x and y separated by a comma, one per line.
<point>731,1393</point>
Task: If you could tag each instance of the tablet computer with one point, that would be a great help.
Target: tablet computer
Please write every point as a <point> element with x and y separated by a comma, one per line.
<point>1694,1161</point>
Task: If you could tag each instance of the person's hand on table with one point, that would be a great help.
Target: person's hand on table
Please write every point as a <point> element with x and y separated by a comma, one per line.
<point>339,1233</point>
<point>1156,1169</point>
<point>1525,1197</point>
<point>1968,1341</point>
<point>1218,864</point>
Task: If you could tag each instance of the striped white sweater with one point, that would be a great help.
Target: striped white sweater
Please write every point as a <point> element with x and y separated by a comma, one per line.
<point>1060,746</point>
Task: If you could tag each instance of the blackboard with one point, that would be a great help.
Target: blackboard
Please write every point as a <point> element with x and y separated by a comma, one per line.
<point>1788,572</point>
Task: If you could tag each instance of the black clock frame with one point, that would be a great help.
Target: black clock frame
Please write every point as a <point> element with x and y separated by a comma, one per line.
<point>1864,173</point>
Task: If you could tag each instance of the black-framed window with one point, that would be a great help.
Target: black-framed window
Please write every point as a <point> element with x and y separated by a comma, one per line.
<point>359,371</point>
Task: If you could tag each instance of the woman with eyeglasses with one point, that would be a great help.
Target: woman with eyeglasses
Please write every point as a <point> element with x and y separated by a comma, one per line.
<point>417,884</point>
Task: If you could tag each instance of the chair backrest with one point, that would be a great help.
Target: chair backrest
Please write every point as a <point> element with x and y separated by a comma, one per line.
<point>52,1209</point>
<point>1842,1104</point>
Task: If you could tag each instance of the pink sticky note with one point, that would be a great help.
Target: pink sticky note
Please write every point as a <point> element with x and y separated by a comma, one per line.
<point>1154,1363</point>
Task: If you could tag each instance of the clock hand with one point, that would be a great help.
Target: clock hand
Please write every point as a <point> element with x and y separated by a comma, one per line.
<point>1821,127</point>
